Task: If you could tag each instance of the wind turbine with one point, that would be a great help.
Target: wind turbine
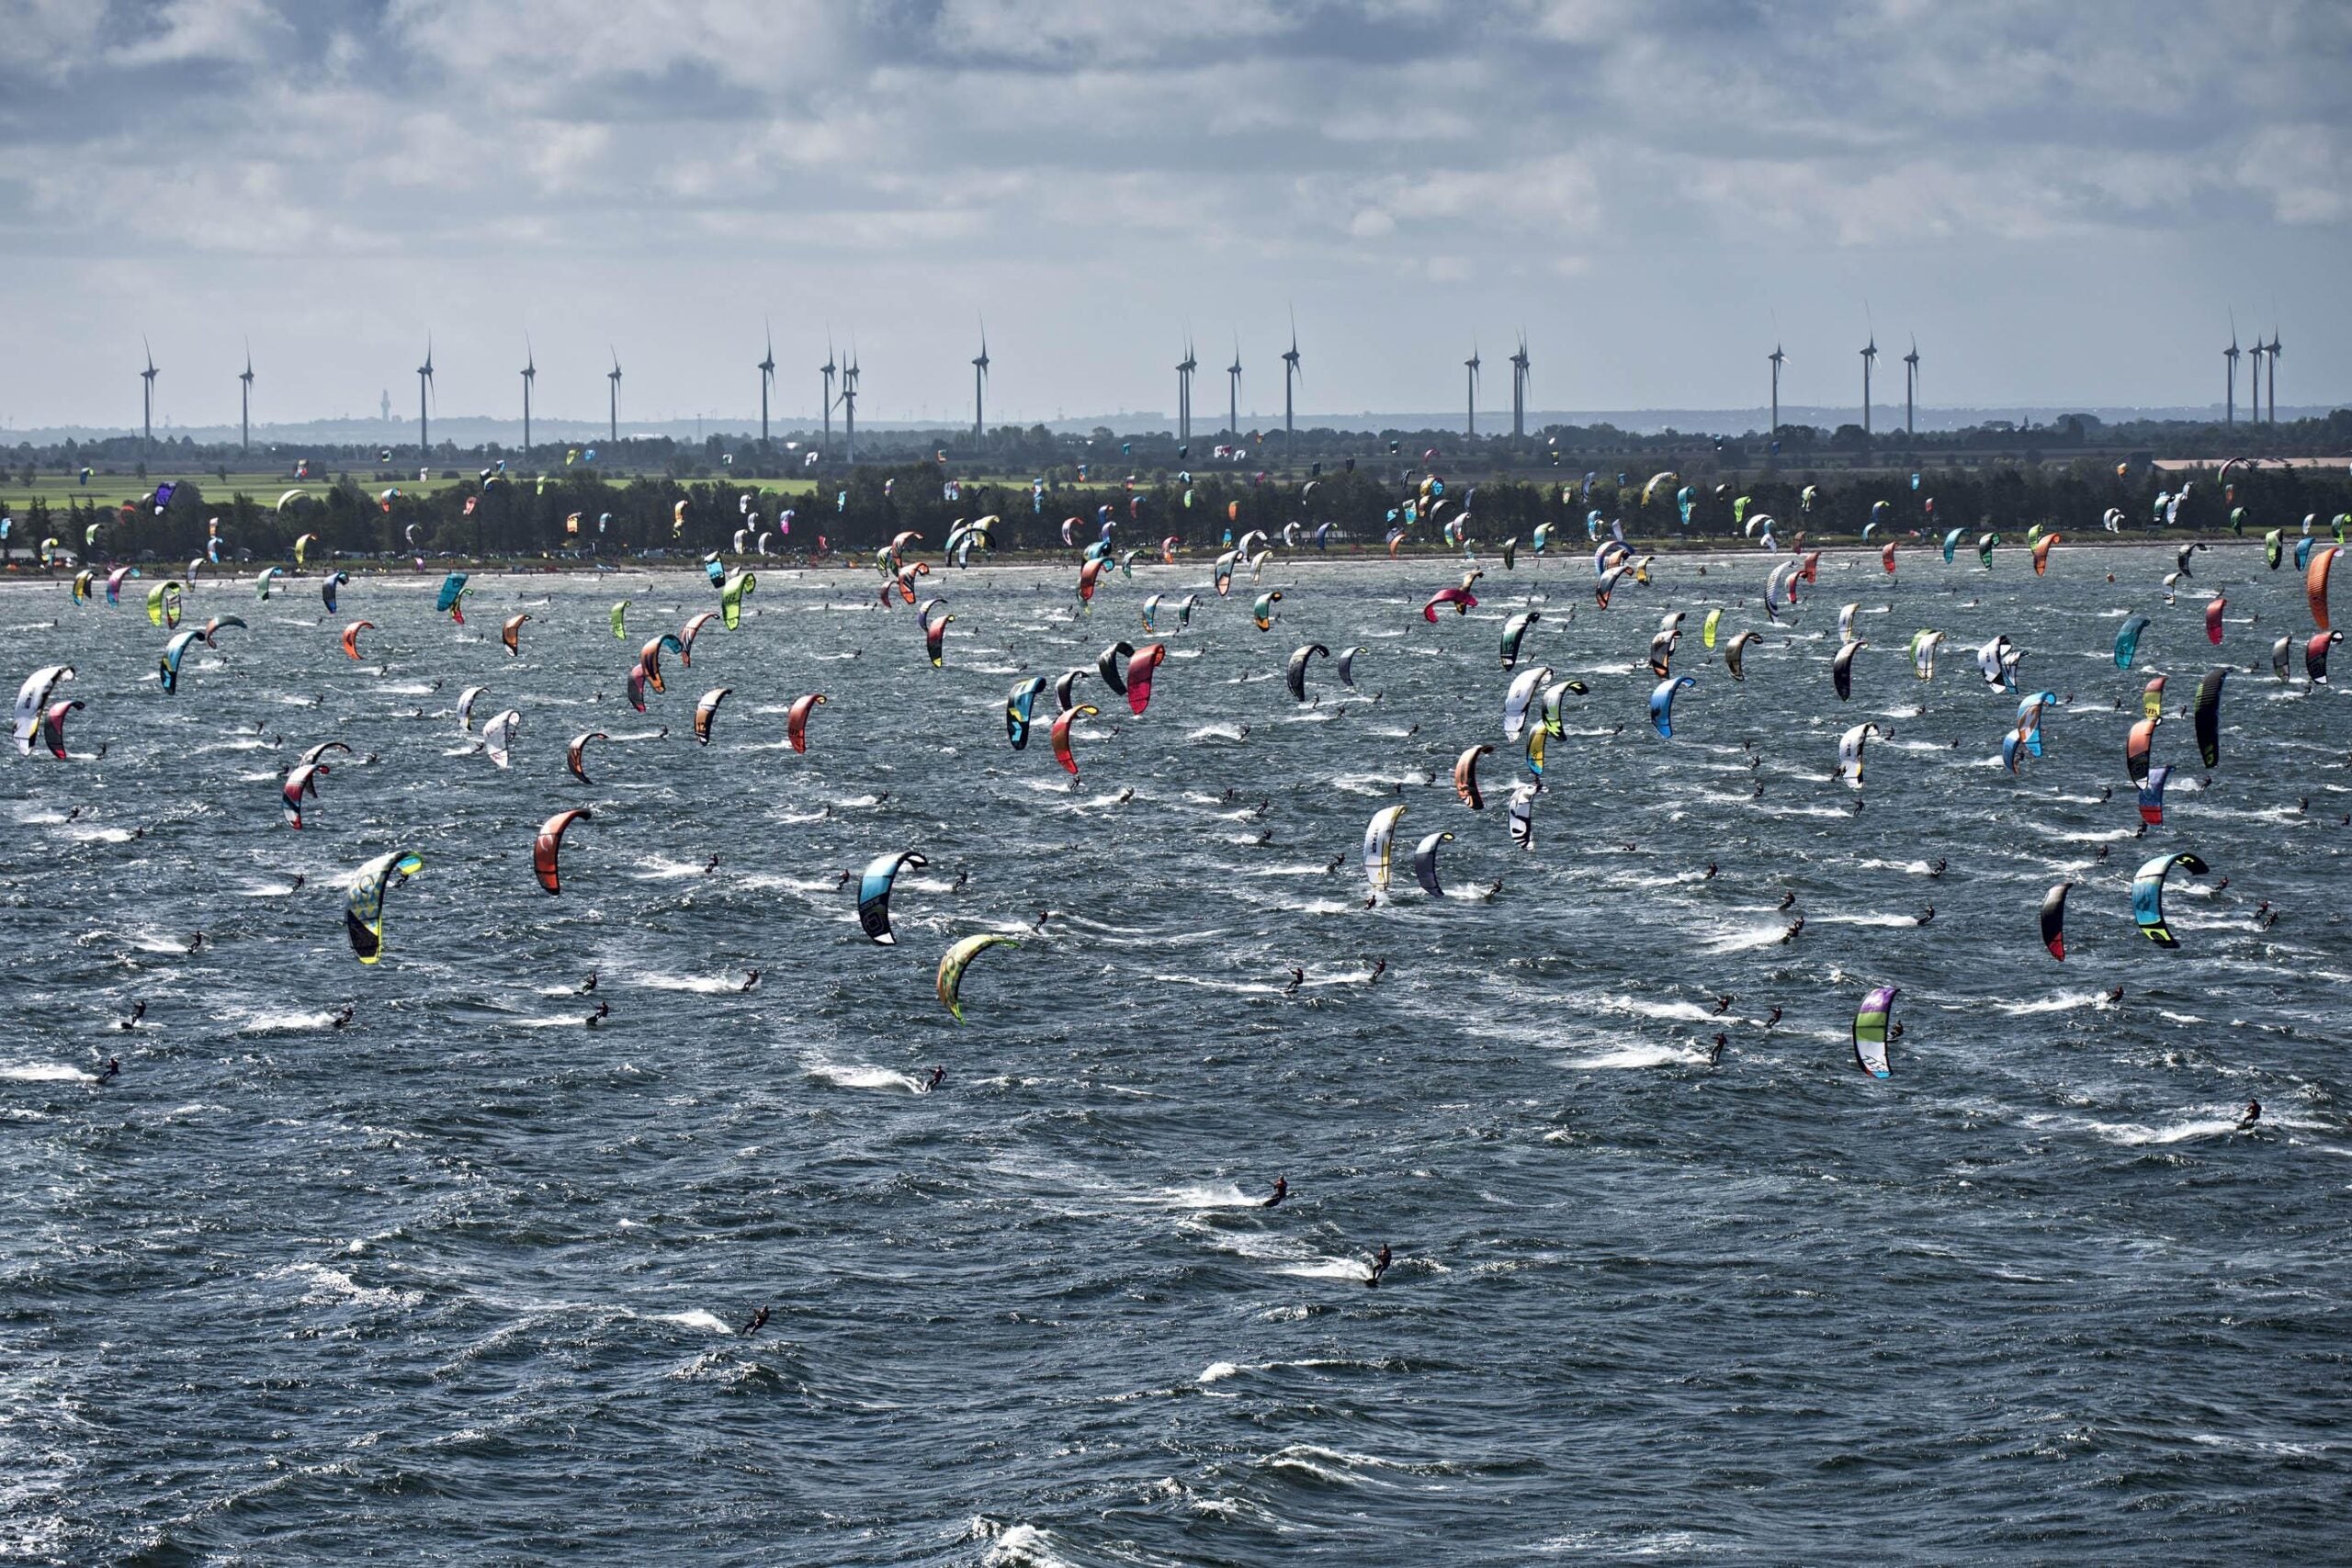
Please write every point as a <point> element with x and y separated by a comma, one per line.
<point>1777,357</point>
<point>530,374</point>
<point>849,405</point>
<point>245,403</point>
<point>979,389</point>
<point>147,420</point>
<point>1185,368</point>
<point>423,386</point>
<point>1471,365</point>
<point>612,430</point>
<point>1519,364</point>
<point>767,379</point>
<point>2230,406</point>
<point>1910,385</point>
<point>1233,393</point>
<point>827,369</point>
<point>2274,375</point>
<point>1870,357</point>
<point>1290,374</point>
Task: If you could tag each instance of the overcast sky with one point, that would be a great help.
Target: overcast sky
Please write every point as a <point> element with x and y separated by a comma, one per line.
<point>2062,201</point>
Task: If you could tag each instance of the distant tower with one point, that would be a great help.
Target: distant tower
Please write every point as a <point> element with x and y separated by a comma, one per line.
<point>1519,364</point>
<point>613,407</point>
<point>767,379</point>
<point>147,402</point>
<point>1777,357</point>
<point>1910,387</point>
<point>423,386</point>
<point>850,374</point>
<point>1290,374</point>
<point>245,404</point>
<point>1870,357</point>
<point>384,404</point>
<point>1233,393</point>
<point>2230,392</point>
<point>827,370</point>
<point>2274,375</point>
<point>979,390</point>
<point>1185,368</point>
<point>1471,365</point>
<point>530,375</point>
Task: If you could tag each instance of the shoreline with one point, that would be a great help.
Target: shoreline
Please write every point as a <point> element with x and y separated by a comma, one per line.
<point>15,573</point>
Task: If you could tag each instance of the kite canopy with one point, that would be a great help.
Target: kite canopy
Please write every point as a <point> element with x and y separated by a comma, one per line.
<point>1872,1031</point>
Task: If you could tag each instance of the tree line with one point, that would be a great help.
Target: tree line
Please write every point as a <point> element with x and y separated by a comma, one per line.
<point>581,515</point>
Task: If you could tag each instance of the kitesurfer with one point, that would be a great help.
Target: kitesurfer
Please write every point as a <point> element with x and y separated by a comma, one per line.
<point>962,877</point>
<point>2116,995</point>
<point>759,1321</point>
<point>1380,1264</point>
<point>710,865</point>
<point>196,942</point>
<point>2253,1115</point>
<point>113,1070</point>
<point>589,984</point>
<point>1796,930</point>
<point>298,880</point>
<point>1710,872</point>
<point>137,1011</point>
<point>1788,900</point>
<point>1715,1056</point>
<point>1297,978</point>
<point>604,1011</point>
<point>1282,1191</point>
<point>750,980</point>
<point>1722,1003</point>
<point>1937,869</point>
<point>1772,1017</point>
<point>1925,915</point>
<point>938,1077</point>
<point>343,1020</point>
<point>1379,967</point>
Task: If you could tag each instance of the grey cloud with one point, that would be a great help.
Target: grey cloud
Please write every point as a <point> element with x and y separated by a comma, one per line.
<point>1405,170</point>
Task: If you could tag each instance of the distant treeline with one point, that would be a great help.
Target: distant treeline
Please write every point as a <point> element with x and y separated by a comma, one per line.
<point>868,507</point>
<point>1034,450</point>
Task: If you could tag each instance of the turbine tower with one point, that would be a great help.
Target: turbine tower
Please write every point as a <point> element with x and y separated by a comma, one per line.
<point>767,380</point>
<point>1471,365</point>
<point>1910,387</point>
<point>530,374</point>
<point>2274,375</point>
<point>1290,374</point>
<point>2230,393</point>
<point>245,403</point>
<point>613,408</point>
<point>1233,394</point>
<point>423,386</point>
<point>1870,357</point>
<point>827,370</point>
<point>1519,364</point>
<point>979,390</point>
<point>849,406</point>
<point>147,402</point>
<point>1777,357</point>
<point>1185,368</point>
